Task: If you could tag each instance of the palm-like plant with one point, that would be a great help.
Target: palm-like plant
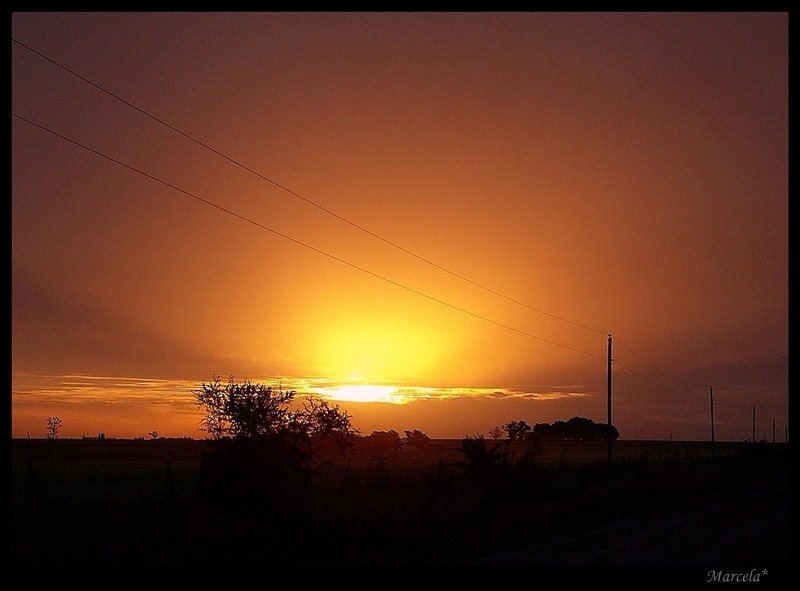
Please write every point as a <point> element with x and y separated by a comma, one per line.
<point>483,461</point>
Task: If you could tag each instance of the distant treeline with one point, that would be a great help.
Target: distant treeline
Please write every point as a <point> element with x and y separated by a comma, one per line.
<point>575,429</point>
<point>415,439</point>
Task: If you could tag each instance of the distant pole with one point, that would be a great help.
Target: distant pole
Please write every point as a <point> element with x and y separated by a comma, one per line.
<point>754,424</point>
<point>711,396</point>
<point>610,437</point>
<point>773,431</point>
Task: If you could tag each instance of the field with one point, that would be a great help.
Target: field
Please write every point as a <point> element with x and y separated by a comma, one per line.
<point>139,502</point>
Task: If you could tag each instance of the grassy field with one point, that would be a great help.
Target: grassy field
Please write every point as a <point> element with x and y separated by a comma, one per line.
<point>138,502</point>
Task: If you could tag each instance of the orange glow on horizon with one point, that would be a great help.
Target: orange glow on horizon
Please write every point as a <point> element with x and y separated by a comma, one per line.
<point>385,221</point>
<point>363,393</point>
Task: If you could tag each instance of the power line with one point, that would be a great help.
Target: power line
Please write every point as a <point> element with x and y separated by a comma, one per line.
<point>642,376</point>
<point>299,242</point>
<point>329,212</point>
<point>299,196</point>
<point>651,364</point>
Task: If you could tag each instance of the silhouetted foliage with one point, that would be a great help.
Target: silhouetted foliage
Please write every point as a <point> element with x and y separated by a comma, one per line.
<point>245,410</point>
<point>261,450</point>
<point>496,432</point>
<point>417,439</point>
<point>385,440</point>
<point>517,430</point>
<point>255,476</point>
<point>484,461</point>
<point>575,429</point>
<point>326,425</point>
<point>53,425</point>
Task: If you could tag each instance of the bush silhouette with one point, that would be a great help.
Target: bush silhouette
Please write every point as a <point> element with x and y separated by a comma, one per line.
<point>260,455</point>
<point>484,462</point>
<point>252,476</point>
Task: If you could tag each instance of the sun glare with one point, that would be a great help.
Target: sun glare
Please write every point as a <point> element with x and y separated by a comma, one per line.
<point>362,393</point>
<point>383,349</point>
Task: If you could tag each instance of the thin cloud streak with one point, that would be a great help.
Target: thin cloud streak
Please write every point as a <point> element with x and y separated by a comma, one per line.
<point>628,171</point>
<point>91,389</point>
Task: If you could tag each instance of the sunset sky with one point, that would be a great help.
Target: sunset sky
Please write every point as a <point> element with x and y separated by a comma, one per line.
<point>435,219</point>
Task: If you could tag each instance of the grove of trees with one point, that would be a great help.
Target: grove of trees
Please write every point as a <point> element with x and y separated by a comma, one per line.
<point>575,429</point>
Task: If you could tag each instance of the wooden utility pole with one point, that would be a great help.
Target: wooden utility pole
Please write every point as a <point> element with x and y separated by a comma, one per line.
<point>610,436</point>
<point>754,424</point>
<point>773,431</point>
<point>711,396</point>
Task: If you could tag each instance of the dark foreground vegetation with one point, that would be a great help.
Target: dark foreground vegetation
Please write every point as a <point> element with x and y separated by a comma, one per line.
<point>447,502</point>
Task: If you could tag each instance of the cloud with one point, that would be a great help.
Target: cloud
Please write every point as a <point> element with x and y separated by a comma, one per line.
<point>408,394</point>
<point>87,389</point>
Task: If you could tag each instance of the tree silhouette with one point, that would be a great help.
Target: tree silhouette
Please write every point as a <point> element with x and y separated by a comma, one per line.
<point>244,410</point>
<point>385,440</point>
<point>261,450</point>
<point>417,439</point>
<point>496,432</point>
<point>516,430</point>
<point>53,425</point>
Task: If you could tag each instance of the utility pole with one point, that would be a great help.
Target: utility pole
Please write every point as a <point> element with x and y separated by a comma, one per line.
<point>711,396</point>
<point>754,424</point>
<point>773,431</point>
<point>610,437</point>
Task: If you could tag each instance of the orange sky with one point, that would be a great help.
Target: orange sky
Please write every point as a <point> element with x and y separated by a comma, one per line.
<point>460,206</point>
